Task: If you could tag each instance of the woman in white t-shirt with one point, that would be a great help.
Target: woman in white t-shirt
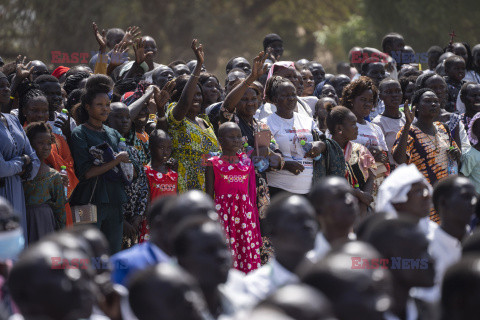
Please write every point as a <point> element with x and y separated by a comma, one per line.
<point>285,69</point>
<point>292,132</point>
<point>360,96</point>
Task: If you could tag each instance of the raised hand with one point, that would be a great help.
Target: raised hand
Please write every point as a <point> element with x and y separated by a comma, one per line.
<point>258,66</point>
<point>162,96</point>
<point>139,48</point>
<point>119,54</point>
<point>23,71</point>
<point>198,50</point>
<point>100,37</point>
<point>409,115</point>
<point>131,35</point>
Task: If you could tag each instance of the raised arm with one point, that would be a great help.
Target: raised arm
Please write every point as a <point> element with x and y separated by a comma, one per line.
<point>102,58</point>
<point>237,93</point>
<point>181,109</point>
<point>400,153</point>
<point>140,57</point>
<point>161,98</point>
<point>140,103</point>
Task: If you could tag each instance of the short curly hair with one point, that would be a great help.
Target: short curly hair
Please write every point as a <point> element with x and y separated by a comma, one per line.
<point>356,88</point>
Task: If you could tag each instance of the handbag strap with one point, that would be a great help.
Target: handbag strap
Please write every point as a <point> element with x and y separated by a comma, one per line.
<point>93,191</point>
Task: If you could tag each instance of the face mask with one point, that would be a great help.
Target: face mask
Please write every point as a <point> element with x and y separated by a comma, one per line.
<point>11,243</point>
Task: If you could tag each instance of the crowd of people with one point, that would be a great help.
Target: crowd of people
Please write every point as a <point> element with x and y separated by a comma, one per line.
<point>132,190</point>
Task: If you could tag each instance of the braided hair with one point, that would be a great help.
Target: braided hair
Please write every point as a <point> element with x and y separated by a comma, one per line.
<point>272,86</point>
<point>27,92</point>
<point>72,82</point>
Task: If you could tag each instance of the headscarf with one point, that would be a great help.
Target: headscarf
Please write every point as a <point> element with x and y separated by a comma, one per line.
<point>130,97</point>
<point>471,136</point>
<point>270,38</point>
<point>57,73</point>
<point>396,186</point>
<point>283,64</point>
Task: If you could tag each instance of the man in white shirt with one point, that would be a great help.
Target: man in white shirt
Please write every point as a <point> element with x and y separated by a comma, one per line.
<point>337,209</point>
<point>454,199</point>
<point>290,223</point>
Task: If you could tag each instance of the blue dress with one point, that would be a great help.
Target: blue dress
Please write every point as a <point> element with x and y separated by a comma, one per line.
<point>13,144</point>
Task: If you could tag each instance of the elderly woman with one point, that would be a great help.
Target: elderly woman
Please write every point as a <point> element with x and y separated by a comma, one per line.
<point>299,142</point>
<point>18,160</point>
<point>285,69</point>
<point>424,142</point>
<point>192,134</point>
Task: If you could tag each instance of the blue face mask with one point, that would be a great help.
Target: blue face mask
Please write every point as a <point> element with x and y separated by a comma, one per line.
<point>11,244</point>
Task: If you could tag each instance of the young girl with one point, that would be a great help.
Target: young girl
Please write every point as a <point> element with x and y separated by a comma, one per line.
<point>161,172</point>
<point>162,179</point>
<point>33,107</point>
<point>230,180</point>
<point>391,120</point>
<point>342,123</point>
<point>98,177</point>
<point>44,195</point>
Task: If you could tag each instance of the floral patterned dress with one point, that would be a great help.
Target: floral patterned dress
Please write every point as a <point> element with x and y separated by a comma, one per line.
<point>191,145</point>
<point>235,196</point>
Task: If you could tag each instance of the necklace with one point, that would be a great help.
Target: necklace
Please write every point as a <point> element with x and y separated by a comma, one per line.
<point>433,141</point>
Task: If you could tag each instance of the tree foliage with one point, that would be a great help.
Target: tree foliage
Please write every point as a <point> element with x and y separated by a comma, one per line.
<point>225,27</point>
<point>312,29</point>
<point>425,23</point>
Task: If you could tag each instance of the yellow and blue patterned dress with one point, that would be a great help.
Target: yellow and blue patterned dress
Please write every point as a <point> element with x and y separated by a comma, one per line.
<point>191,148</point>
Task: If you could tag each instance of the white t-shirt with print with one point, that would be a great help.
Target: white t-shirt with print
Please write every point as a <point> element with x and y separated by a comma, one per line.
<point>390,128</point>
<point>288,133</point>
<point>370,135</point>
<point>267,109</point>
